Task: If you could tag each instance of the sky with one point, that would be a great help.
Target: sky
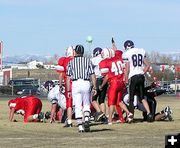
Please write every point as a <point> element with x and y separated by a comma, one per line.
<point>48,27</point>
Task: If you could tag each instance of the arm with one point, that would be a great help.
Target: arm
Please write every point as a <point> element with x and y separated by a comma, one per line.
<point>105,79</point>
<point>113,44</point>
<point>61,75</point>
<point>68,84</point>
<point>126,72</point>
<point>93,79</point>
<point>147,65</point>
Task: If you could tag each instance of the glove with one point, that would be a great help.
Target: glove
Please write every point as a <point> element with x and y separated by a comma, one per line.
<point>112,40</point>
<point>94,92</point>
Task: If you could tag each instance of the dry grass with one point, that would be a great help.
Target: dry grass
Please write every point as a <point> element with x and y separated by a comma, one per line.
<point>46,135</point>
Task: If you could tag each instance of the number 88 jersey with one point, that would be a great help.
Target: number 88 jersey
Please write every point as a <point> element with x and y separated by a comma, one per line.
<point>135,57</point>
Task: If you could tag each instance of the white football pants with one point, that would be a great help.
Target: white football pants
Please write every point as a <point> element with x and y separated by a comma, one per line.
<point>81,97</point>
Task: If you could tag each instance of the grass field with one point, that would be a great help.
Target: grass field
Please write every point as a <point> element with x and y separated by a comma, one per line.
<point>46,135</point>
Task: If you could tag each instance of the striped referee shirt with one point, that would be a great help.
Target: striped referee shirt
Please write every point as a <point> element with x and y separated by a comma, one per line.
<point>80,68</point>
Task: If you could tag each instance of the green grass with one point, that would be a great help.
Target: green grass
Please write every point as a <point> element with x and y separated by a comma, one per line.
<point>46,135</point>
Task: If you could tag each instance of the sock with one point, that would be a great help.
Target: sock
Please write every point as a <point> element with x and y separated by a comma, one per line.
<point>119,110</point>
<point>79,121</point>
<point>86,115</point>
<point>69,121</point>
<point>35,116</point>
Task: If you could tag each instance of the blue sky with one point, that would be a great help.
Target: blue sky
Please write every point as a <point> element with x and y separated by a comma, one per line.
<point>47,27</point>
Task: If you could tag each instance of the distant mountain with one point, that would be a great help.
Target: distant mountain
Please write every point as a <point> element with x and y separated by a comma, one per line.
<point>25,58</point>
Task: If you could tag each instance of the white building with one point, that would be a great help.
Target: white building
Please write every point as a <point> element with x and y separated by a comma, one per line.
<point>33,64</point>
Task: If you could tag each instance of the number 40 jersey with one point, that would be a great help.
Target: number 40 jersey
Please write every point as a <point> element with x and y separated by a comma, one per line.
<point>135,57</point>
<point>113,67</point>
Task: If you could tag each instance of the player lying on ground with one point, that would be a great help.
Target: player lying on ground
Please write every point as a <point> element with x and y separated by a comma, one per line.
<point>150,95</point>
<point>27,106</point>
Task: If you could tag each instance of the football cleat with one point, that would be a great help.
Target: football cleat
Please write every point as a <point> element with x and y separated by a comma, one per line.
<point>168,113</point>
<point>81,129</point>
<point>41,116</point>
<point>104,120</point>
<point>130,118</point>
<point>98,116</point>
<point>68,125</point>
<point>86,126</point>
<point>47,115</point>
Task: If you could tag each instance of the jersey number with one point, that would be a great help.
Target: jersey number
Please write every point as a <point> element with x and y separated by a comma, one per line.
<point>116,67</point>
<point>137,60</point>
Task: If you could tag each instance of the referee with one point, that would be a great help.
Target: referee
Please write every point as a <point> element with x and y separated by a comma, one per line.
<point>80,71</point>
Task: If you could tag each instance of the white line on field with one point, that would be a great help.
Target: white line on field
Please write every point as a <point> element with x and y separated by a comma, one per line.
<point>65,138</point>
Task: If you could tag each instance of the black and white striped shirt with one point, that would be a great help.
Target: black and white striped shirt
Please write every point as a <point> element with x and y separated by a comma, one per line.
<point>80,68</point>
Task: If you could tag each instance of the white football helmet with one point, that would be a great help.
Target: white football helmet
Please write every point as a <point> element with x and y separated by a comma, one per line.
<point>112,52</point>
<point>106,53</point>
<point>70,51</point>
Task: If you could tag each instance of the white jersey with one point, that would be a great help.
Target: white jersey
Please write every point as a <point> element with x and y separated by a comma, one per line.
<point>138,105</point>
<point>54,96</point>
<point>95,62</point>
<point>135,57</point>
<point>126,100</point>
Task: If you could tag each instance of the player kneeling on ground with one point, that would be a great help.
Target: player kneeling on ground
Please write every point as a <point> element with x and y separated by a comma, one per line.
<point>58,107</point>
<point>28,106</point>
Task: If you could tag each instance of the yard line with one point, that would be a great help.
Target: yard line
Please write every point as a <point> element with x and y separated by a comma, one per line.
<point>64,138</point>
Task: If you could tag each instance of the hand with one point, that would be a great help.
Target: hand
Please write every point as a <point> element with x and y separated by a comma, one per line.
<point>94,92</point>
<point>112,40</point>
<point>61,88</point>
<point>100,87</point>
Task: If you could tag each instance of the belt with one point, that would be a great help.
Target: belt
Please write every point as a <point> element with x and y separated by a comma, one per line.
<point>81,79</point>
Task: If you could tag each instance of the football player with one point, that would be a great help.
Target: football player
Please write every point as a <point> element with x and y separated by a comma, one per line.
<point>58,107</point>
<point>136,66</point>
<point>98,99</point>
<point>62,68</point>
<point>150,95</point>
<point>113,70</point>
<point>28,106</point>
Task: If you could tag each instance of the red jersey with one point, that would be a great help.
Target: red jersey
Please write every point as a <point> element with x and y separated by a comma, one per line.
<point>112,67</point>
<point>103,66</point>
<point>29,104</point>
<point>17,104</point>
<point>63,62</point>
